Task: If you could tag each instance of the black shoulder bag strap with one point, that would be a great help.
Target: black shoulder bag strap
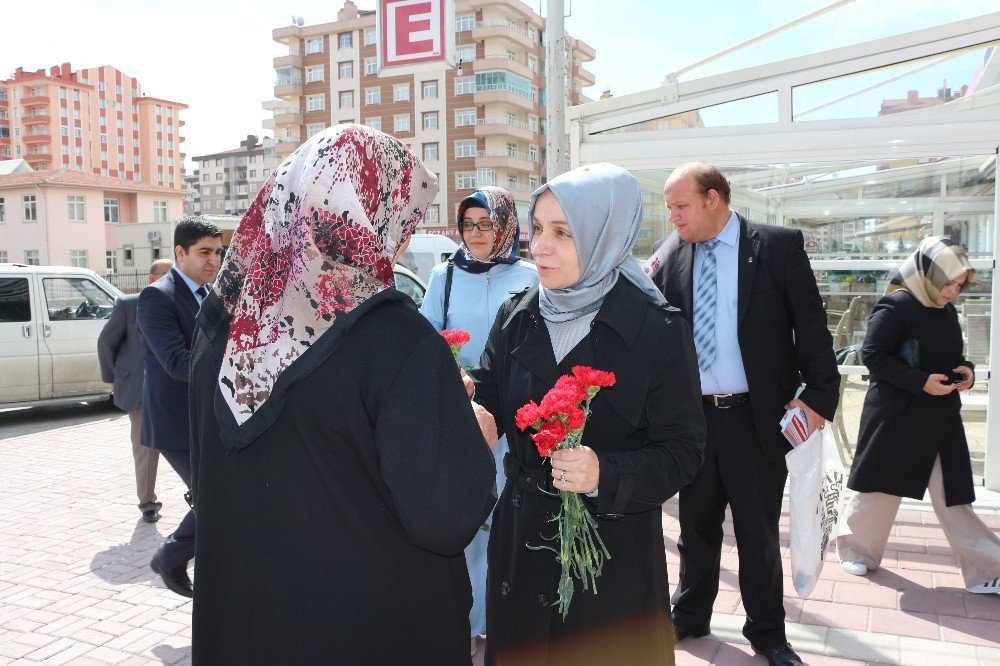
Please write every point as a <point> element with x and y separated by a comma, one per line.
<point>447,293</point>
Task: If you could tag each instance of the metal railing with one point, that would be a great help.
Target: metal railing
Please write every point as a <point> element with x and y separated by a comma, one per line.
<point>506,153</point>
<point>503,87</point>
<point>503,23</point>
<point>504,121</point>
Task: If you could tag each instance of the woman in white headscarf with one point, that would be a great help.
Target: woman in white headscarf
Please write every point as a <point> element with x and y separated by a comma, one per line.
<point>333,500</point>
<point>911,436</point>
<point>643,441</point>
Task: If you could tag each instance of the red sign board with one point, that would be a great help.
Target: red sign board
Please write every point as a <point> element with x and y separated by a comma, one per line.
<point>412,31</point>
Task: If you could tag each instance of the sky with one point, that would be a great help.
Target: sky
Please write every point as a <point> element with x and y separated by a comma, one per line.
<point>216,56</point>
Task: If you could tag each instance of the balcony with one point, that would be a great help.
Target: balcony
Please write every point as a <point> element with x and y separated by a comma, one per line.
<point>504,30</point>
<point>586,77</point>
<point>504,159</point>
<point>289,60</point>
<point>504,94</point>
<point>287,117</point>
<point>37,157</point>
<point>504,62</point>
<point>504,127</point>
<point>290,89</point>
<point>38,137</point>
<point>34,100</point>
<point>30,118</point>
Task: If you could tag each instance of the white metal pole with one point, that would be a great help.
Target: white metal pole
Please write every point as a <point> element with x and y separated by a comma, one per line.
<point>991,474</point>
<point>556,161</point>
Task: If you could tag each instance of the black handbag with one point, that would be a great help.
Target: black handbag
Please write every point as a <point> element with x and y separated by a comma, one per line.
<point>908,352</point>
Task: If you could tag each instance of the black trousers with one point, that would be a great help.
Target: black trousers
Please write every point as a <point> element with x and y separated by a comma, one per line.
<point>178,549</point>
<point>736,473</point>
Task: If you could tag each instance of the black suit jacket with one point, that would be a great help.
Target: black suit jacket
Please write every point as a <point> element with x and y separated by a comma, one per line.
<point>781,324</point>
<point>166,319</point>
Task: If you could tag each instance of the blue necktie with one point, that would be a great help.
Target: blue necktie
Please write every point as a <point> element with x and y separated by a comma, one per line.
<point>201,292</point>
<point>704,307</point>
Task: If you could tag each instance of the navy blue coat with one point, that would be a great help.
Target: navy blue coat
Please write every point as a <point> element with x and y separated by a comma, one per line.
<point>166,320</point>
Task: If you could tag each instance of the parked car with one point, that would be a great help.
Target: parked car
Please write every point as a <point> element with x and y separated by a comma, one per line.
<point>50,317</point>
<point>411,285</point>
<point>425,252</point>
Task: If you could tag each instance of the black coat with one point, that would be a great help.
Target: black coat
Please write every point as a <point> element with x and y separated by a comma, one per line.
<point>781,325</point>
<point>904,429</point>
<point>648,432</point>
<point>336,535</point>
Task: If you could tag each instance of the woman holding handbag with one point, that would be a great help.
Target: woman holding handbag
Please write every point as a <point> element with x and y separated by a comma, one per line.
<point>465,293</point>
<point>911,437</point>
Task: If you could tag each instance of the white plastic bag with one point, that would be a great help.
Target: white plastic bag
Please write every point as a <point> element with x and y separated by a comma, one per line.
<point>815,490</point>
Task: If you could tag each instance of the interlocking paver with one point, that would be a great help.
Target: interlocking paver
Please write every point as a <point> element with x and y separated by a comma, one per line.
<point>75,585</point>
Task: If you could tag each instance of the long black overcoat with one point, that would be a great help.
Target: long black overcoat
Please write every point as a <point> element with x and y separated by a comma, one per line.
<point>648,432</point>
<point>335,536</point>
<point>904,429</point>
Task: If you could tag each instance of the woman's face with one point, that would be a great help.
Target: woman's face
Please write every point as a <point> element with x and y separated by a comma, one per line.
<point>480,243</point>
<point>552,245</point>
<point>950,291</point>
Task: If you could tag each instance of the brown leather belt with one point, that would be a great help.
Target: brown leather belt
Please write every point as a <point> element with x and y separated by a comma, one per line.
<point>726,400</point>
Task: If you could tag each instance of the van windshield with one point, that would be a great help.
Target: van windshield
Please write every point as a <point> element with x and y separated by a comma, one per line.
<point>420,263</point>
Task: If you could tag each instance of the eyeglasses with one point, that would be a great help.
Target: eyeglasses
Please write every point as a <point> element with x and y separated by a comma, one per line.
<point>482,226</point>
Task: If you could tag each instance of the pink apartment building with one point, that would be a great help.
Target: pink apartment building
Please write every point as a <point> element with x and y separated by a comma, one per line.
<point>95,120</point>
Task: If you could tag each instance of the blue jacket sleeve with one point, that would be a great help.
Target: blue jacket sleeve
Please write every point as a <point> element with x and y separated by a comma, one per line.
<point>433,306</point>
<point>109,340</point>
<point>156,318</point>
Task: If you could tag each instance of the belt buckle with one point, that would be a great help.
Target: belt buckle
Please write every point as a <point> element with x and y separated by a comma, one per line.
<point>715,400</point>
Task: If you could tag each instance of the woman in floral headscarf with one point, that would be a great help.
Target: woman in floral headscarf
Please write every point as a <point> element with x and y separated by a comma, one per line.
<point>911,437</point>
<point>465,293</point>
<point>332,502</point>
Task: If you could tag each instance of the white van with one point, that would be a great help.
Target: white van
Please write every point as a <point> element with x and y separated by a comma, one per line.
<point>50,317</point>
<point>425,252</point>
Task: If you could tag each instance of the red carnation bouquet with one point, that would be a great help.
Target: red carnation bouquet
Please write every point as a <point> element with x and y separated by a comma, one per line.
<point>455,339</point>
<point>559,421</point>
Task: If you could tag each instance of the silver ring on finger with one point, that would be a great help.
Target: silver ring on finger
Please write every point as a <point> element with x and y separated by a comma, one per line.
<point>562,476</point>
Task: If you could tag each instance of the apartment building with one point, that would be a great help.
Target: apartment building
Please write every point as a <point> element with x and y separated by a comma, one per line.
<point>97,121</point>
<point>481,122</point>
<point>229,180</point>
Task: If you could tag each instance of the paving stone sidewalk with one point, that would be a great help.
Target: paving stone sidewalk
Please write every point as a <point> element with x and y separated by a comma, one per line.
<point>75,585</point>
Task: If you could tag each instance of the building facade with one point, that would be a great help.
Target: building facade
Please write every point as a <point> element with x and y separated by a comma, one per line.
<point>479,123</point>
<point>228,181</point>
<point>69,218</point>
<point>97,121</point>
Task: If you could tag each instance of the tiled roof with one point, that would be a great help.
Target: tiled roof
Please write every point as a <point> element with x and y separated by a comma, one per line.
<point>80,179</point>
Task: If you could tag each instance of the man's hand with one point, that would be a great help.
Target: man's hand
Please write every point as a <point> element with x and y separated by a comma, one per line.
<point>937,384</point>
<point>814,420</point>
<point>486,424</point>
<point>576,470</point>
<point>968,377</point>
<point>470,386</point>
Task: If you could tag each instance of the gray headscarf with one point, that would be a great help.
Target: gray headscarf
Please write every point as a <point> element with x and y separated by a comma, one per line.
<point>603,206</point>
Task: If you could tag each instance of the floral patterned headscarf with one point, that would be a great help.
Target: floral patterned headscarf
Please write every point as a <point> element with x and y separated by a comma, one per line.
<point>318,241</point>
<point>506,231</point>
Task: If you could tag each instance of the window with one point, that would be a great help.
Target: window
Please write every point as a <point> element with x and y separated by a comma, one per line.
<point>465,117</point>
<point>430,89</point>
<point>401,92</point>
<point>218,176</point>
<point>314,45</point>
<point>466,53</point>
<point>111,260</point>
<point>159,211</point>
<point>76,95</point>
<point>430,151</point>
<point>31,257</point>
<point>486,177</point>
<point>532,123</point>
<point>111,210</point>
<point>344,40</point>
<point>347,99</point>
<point>373,95</point>
<point>533,153</point>
<point>75,208</point>
<point>3,260</point>
<point>204,176</point>
<point>314,74</point>
<point>433,215</point>
<point>465,85</point>
<point>313,129</point>
<point>316,102</point>
<point>401,123</point>
<point>465,180</point>
<point>77,133</point>
<point>347,70</point>
<point>68,299</point>
<point>374,123</point>
<point>104,138</point>
<point>218,190</point>
<point>465,148</point>
<point>533,182</point>
<point>77,259</point>
<point>371,66</point>
<point>218,204</point>
<point>430,120</point>
<point>3,217</point>
<point>253,173</point>
<point>466,22</point>
<point>30,211</point>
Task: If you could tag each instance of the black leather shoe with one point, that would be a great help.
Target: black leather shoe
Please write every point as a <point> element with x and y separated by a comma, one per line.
<point>176,580</point>
<point>780,656</point>
<point>151,516</point>
<point>680,633</point>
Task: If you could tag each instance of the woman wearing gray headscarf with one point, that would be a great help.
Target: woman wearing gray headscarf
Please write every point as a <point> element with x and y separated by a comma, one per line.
<point>643,440</point>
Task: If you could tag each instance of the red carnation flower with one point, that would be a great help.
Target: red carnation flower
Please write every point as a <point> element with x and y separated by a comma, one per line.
<point>591,377</point>
<point>456,336</point>
<point>550,436</point>
<point>527,415</point>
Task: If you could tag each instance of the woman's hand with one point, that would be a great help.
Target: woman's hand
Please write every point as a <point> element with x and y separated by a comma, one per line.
<point>576,470</point>
<point>486,424</point>
<point>937,385</point>
<point>968,377</point>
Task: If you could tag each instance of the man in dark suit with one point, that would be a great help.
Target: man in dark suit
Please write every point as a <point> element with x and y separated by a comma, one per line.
<point>760,332</point>
<point>120,356</point>
<point>166,319</point>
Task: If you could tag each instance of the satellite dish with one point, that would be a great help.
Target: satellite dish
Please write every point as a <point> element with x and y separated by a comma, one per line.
<point>300,21</point>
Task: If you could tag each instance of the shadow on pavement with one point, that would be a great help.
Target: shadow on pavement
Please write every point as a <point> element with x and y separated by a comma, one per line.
<point>15,421</point>
<point>127,563</point>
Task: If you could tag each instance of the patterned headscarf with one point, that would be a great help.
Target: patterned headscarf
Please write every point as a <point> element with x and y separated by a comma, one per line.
<point>503,213</point>
<point>936,262</point>
<point>318,241</point>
